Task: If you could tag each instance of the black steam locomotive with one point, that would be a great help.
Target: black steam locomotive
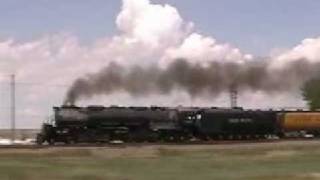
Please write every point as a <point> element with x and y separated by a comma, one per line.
<point>95,124</point>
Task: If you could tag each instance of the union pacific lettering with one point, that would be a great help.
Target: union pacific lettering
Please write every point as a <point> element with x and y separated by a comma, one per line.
<point>240,120</point>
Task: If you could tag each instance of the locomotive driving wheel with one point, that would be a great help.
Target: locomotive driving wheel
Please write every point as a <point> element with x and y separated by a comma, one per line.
<point>40,139</point>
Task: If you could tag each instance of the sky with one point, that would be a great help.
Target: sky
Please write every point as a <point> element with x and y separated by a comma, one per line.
<point>49,44</point>
<point>257,27</point>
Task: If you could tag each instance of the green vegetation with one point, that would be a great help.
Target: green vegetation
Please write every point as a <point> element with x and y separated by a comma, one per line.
<point>288,162</point>
<point>311,93</point>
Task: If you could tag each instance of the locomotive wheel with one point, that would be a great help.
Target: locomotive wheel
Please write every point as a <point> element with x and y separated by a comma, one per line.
<point>40,139</point>
<point>125,138</point>
<point>231,137</point>
<point>184,138</point>
<point>153,137</point>
<point>225,137</point>
<point>240,137</point>
<point>70,141</point>
<point>204,138</point>
<point>237,137</point>
<point>216,137</point>
<point>179,138</point>
<point>281,135</point>
<point>168,138</point>
<point>51,141</point>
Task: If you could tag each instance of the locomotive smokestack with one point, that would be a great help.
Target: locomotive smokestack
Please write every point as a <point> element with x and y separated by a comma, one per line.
<point>233,96</point>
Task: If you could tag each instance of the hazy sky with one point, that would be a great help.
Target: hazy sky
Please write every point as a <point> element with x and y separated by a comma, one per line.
<point>256,27</point>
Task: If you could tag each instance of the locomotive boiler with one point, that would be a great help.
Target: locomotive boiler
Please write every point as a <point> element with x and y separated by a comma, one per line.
<point>73,124</point>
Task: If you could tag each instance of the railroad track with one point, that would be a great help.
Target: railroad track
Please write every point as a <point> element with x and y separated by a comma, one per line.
<point>124,145</point>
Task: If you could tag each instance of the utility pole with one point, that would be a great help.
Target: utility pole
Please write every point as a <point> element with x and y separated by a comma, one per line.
<point>13,108</point>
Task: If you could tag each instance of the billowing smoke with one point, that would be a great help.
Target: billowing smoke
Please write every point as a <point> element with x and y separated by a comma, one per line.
<point>144,60</point>
<point>195,79</point>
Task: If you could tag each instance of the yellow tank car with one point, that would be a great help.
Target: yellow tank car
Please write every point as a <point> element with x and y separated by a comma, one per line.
<point>299,121</point>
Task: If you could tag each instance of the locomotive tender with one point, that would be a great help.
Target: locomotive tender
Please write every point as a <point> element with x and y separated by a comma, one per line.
<point>94,124</point>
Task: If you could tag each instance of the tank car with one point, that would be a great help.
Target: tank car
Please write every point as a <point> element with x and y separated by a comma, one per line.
<point>300,122</point>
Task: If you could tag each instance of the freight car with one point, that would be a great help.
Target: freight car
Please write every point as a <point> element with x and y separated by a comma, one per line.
<point>299,122</point>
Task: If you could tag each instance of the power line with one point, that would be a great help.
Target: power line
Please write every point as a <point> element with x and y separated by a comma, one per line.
<point>38,84</point>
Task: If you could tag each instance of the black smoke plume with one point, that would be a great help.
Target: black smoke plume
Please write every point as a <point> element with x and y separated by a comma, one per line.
<point>195,79</point>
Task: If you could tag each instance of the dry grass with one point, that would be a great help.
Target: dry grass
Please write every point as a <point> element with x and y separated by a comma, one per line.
<point>293,161</point>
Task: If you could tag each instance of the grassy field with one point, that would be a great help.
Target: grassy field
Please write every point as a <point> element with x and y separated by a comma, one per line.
<point>292,161</point>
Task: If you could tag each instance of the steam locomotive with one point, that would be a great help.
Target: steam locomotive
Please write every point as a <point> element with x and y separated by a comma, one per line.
<point>98,124</point>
